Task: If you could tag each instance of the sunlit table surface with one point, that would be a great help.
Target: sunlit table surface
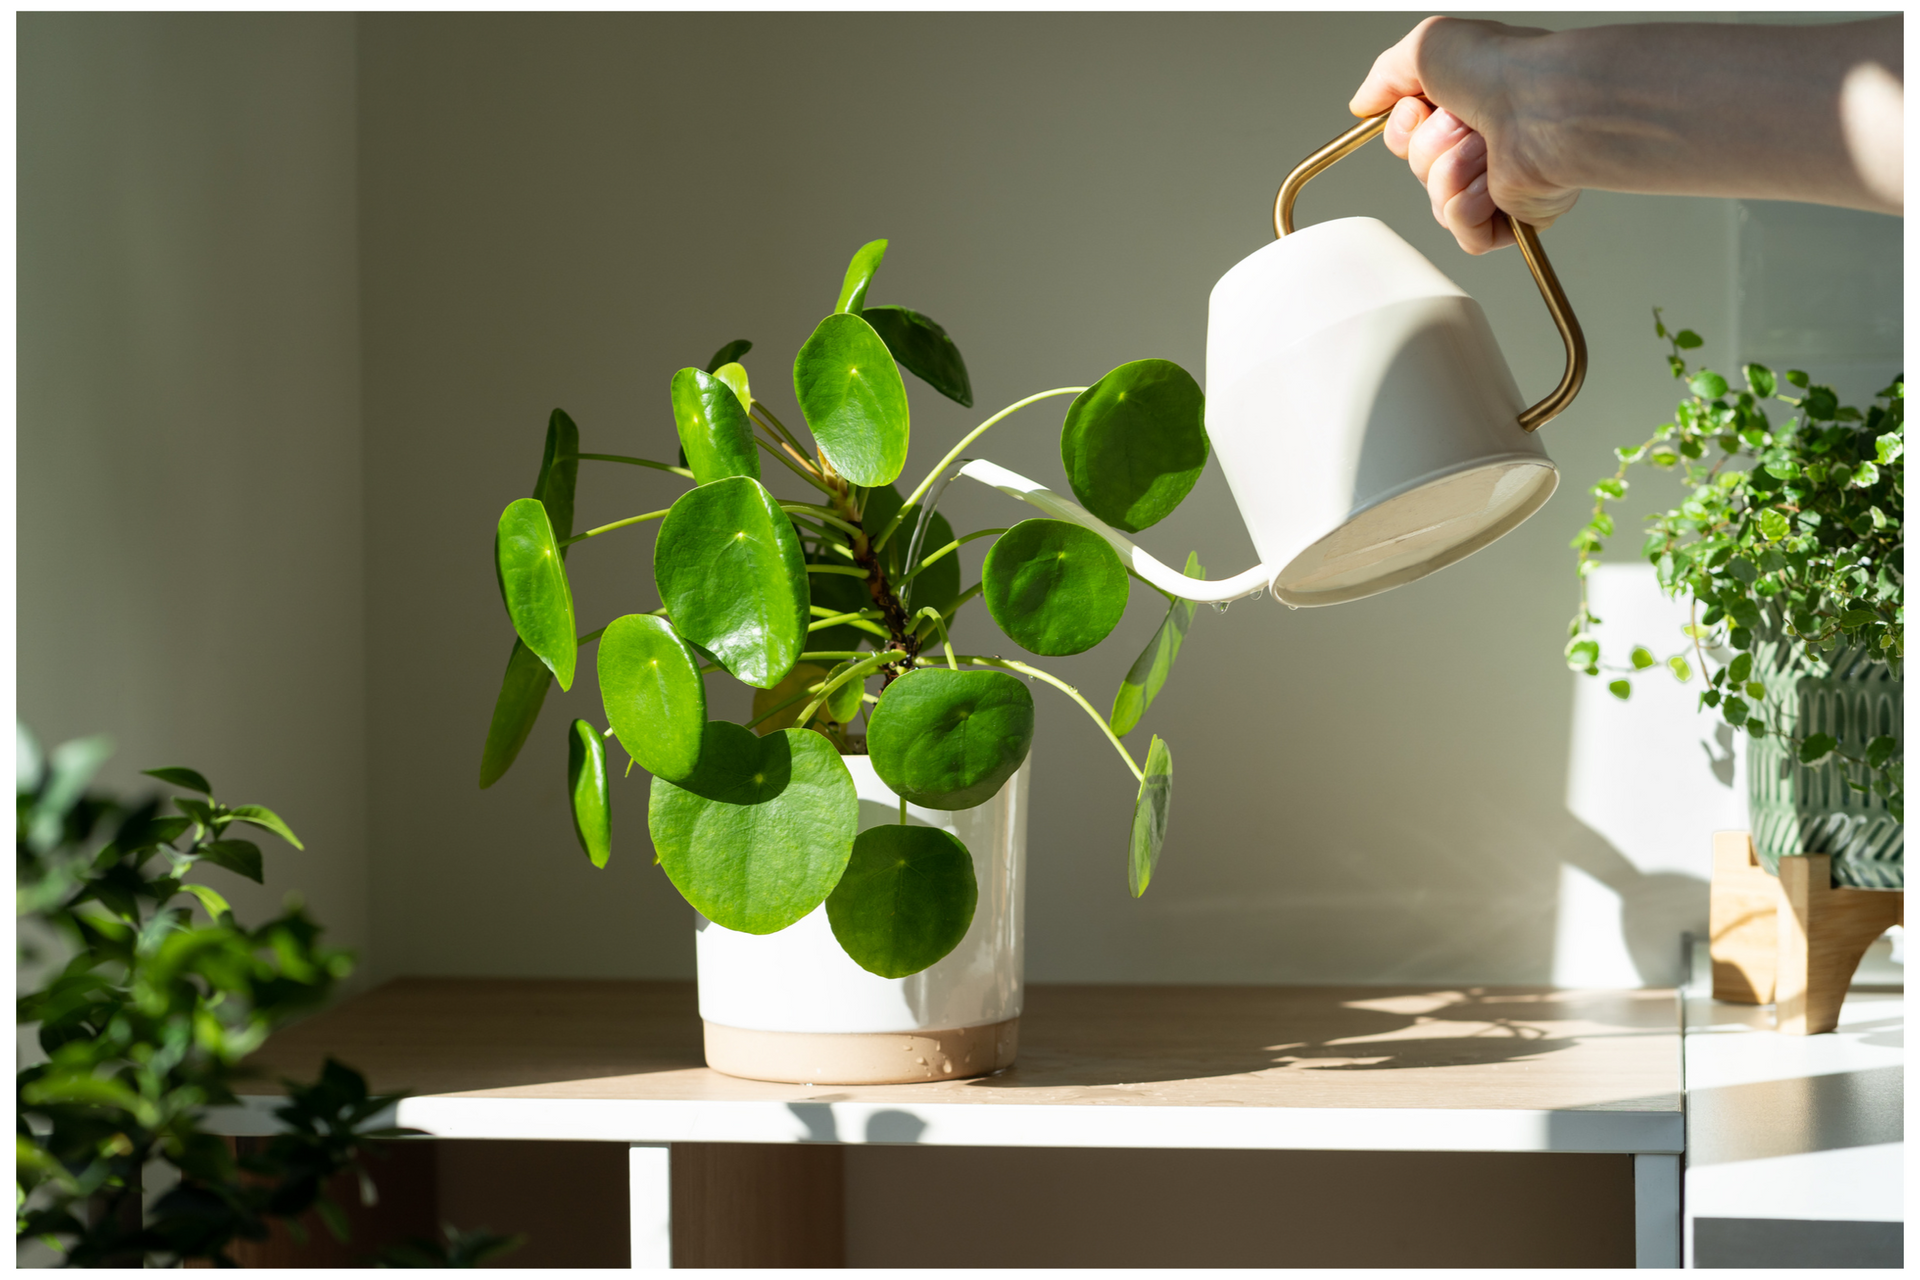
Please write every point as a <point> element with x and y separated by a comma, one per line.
<point>1215,1067</point>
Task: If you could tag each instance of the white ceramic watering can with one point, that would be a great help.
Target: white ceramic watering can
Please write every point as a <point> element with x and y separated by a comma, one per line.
<point>1368,425</point>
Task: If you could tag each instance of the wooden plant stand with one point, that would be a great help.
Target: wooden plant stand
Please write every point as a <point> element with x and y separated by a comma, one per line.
<point>1793,941</point>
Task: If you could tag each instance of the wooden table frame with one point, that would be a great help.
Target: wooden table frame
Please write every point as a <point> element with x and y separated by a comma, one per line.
<point>1506,1069</point>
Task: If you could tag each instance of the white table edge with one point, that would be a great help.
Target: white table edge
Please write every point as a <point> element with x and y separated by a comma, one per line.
<point>634,1120</point>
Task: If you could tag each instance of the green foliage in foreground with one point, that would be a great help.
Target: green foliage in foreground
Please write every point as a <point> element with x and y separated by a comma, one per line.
<point>831,606</point>
<point>1790,532</point>
<point>145,1016</point>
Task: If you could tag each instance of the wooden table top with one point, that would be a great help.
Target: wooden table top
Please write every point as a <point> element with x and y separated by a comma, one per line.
<point>1479,1048</point>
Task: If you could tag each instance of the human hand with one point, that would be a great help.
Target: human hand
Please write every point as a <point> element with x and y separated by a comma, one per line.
<point>1467,101</point>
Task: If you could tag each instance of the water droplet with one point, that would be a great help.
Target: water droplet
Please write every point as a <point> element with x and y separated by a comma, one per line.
<point>1220,606</point>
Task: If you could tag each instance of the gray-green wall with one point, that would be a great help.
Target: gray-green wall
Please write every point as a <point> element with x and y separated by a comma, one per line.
<point>296,294</point>
<point>190,520</point>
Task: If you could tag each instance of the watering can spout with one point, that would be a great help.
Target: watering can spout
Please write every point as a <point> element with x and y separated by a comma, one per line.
<point>1159,574</point>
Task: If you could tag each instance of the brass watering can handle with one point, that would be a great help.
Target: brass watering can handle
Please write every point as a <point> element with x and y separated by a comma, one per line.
<point>1531,419</point>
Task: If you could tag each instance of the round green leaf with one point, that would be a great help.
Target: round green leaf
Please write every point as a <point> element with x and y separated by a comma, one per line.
<point>843,704</point>
<point>853,399</point>
<point>729,570</point>
<point>713,427</point>
<point>853,289</point>
<point>906,900</point>
<point>559,469</point>
<point>923,349</point>
<point>656,702</point>
<point>728,354</point>
<point>522,691</point>
<point>950,739</point>
<point>1150,670</point>
<point>1134,442</point>
<point>735,376</point>
<point>587,788</point>
<point>758,834</point>
<point>1055,588</point>
<point>1150,806</point>
<point>533,582</point>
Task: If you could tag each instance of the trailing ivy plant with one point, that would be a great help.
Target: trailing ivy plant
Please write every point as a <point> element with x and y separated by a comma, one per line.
<point>145,1017</point>
<point>835,607</point>
<point>1790,533</point>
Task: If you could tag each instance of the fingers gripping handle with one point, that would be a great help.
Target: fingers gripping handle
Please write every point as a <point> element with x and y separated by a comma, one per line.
<point>1525,235</point>
<point>1167,579</point>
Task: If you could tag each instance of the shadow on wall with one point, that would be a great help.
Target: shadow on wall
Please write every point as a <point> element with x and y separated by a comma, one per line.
<point>1649,780</point>
<point>1654,909</point>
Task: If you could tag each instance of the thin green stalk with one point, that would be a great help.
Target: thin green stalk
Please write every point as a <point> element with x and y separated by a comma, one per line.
<point>949,549</point>
<point>852,620</point>
<point>794,467</point>
<point>858,672</point>
<point>632,462</point>
<point>1008,665</point>
<point>960,600</point>
<point>779,427</point>
<point>844,570</point>
<point>812,526</point>
<point>880,542</point>
<point>609,528</point>
<point>903,811</point>
<point>775,710</point>
<point>591,636</point>
<point>835,619</point>
<point>821,513</point>
<point>946,641</point>
<point>831,655</point>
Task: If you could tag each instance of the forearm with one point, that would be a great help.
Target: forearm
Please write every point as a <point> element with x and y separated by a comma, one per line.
<point>1756,111</point>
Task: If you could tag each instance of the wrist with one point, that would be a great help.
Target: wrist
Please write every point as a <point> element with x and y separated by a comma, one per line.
<point>1546,88</point>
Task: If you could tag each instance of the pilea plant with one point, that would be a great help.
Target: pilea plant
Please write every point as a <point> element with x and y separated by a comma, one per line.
<point>836,609</point>
<point>1789,542</point>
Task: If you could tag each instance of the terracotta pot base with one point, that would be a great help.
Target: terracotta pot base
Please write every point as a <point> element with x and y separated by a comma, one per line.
<point>884,1057</point>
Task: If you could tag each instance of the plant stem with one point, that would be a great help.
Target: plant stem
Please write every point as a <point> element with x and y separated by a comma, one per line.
<point>1008,665</point>
<point>887,533</point>
<point>821,513</point>
<point>790,465</point>
<point>778,427</point>
<point>955,545</point>
<point>853,619</point>
<point>946,641</point>
<point>845,570</point>
<point>608,528</point>
<point>591,636</point>
<point>959,601</point>
<point>835,619</point>
<point>632,462</point>
<point>858,672</point>
<point>775,710</point>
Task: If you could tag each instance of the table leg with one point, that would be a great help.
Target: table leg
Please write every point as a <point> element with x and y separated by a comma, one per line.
<point>650,1204</point>
<point>1656,1211</point>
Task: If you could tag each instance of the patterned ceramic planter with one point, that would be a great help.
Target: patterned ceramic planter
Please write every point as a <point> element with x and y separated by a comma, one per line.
<point>1798,808</point>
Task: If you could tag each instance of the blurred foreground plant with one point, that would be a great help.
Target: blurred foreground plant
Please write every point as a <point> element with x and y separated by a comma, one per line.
<point>145,1016</point>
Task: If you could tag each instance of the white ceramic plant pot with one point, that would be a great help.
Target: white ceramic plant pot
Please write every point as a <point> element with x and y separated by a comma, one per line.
<point>791,1006</point>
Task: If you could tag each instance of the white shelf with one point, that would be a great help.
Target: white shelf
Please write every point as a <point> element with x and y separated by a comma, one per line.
<point>1795,1144</point>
